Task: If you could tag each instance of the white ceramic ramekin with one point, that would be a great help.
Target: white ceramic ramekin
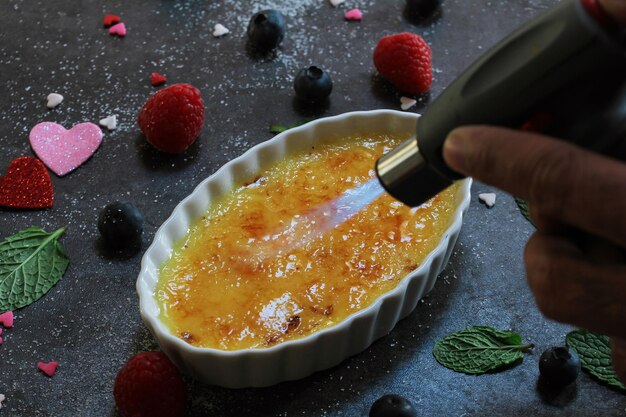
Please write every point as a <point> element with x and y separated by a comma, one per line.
<point>325,348</point>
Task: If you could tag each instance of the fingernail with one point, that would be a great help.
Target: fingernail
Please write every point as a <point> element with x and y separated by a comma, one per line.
<point>455,150</point>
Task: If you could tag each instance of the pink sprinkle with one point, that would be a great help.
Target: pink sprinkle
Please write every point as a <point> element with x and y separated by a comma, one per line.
<point>6,319</point>
<point>354,15</point>
<point>119,30</point>
<point>49,368</point>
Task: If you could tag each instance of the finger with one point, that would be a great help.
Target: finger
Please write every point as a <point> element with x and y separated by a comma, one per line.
<point>562,182</point>
<point>571,289</point>
<point>616,9</point>
<point>618,357</point>
<point>594,248</point>
<point>547,224</point>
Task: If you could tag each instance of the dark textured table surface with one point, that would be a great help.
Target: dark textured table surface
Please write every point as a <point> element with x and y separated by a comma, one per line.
<point>90,322</point>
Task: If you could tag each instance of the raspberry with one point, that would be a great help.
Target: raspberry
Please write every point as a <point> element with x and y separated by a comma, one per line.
<point>404,59</point>
<point>172,118</point>
<point>149,385</point>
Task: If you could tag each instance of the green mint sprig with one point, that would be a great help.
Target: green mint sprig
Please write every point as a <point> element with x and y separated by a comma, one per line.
<point>31,262</point>
<point>282,128</point>
<point>523,208</point>
<point>594,351</point>
<point>480,349</point>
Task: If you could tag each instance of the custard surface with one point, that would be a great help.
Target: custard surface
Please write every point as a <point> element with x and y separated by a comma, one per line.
<point>238,280</point>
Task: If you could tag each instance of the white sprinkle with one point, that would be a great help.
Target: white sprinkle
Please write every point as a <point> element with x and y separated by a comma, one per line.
<point>54,100</point>
<point>109,122</point>
<point>336,3</point>
<point>488,198</point>
<point>2,398</point>
<point>220,30</point>
<point>407,102</point>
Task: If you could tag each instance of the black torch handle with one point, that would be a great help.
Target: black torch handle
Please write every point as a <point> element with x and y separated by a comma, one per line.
<point>553,54</point>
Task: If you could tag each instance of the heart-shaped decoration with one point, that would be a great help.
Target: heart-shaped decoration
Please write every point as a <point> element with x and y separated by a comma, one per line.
<point>6,319</point>
<point>407,102</point>
<point>54,100</point>
<point>109,122</point>
<point>336,3</point>
<point>118,29</point>
<point>220,30</point>
<point>26,185</point>
<point>65,150</point>
<point>488,198</point>
<point>49,368</point>
<point>0,344</point>
<point>157,79</point>
<point>353,15</point>
<point>111,19</point>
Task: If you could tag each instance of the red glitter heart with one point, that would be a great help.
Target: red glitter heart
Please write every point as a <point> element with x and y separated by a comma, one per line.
<point>157,79</point>
<point>26,185</point>
<point>110,20</point>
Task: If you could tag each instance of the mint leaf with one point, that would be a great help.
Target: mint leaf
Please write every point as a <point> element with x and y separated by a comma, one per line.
<point>31,262</point>
<point>594,351</point>
<point>523,208</point>
<point>281,128</point>
<point>480,349</point>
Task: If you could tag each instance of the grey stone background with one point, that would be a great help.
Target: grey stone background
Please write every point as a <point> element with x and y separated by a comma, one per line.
<point>90,321</point>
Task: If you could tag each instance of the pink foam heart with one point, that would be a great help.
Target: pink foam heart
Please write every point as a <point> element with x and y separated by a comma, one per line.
<point>354,14</point>
<point>6,319</point>
<point>0,337</point>
<point>49,368</point>
<point>65,150</point>
<point>119,30</point>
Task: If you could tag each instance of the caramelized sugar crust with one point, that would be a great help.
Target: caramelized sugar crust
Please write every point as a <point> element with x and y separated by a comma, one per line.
<point>238,280</point>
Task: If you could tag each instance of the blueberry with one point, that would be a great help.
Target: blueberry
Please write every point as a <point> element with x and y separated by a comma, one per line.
<point>559,366</point>
<point>392,406</point>
<point>121,224</point>
<point>422,8</point>
<point>266,29</point>
<point>312,84</point>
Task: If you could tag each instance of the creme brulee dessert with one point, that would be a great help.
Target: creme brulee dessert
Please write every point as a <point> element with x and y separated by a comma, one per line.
<point>243,278</point>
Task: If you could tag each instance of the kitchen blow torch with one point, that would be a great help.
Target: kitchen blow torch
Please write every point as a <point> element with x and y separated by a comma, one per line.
<point>566,67</point>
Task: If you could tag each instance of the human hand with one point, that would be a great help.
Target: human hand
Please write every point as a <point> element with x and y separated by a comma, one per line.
<point>615,8</point>
<point>576,260</point>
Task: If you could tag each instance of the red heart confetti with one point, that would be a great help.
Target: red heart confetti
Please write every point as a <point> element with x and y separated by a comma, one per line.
<point>6,319</point>
<point>111,19</point>
<point>26,185</point>
<point>49,368</point>
<point>118,29</point>
<point>157,79</point>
